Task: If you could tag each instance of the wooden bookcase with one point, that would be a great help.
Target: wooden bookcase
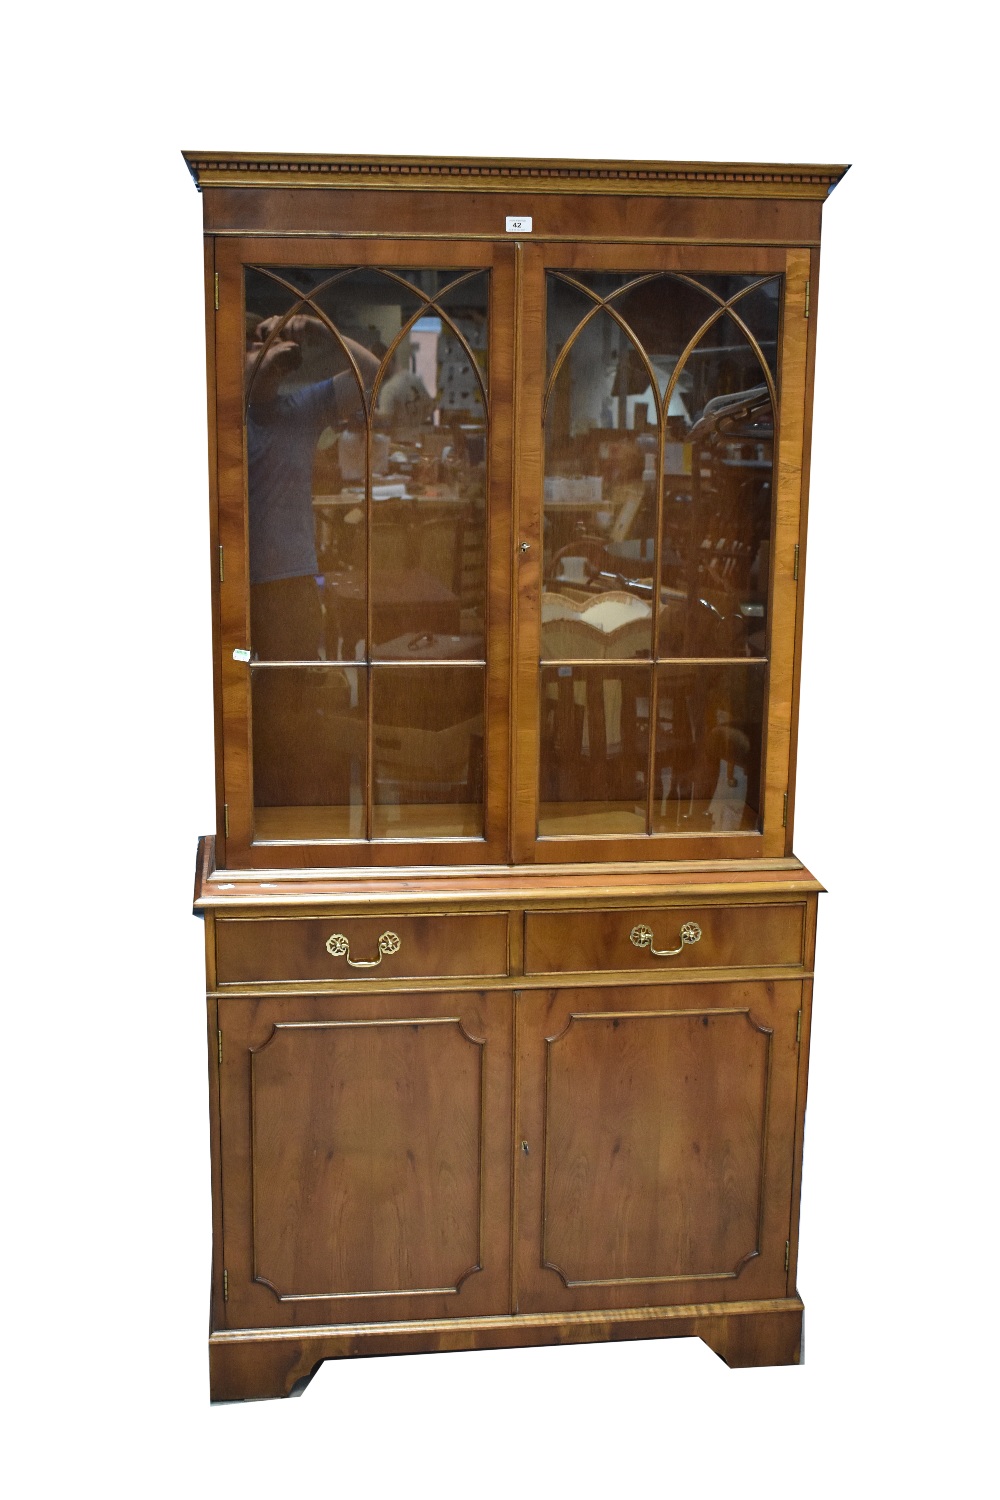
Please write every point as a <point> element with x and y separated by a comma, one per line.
<point>509,959</point>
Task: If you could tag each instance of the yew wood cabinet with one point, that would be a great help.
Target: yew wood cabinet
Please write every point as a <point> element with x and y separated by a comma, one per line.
<point>509,958</point>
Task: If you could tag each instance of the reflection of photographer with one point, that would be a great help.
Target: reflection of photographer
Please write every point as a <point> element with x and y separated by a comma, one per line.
<point>294,708</point>
<point>283,426</point>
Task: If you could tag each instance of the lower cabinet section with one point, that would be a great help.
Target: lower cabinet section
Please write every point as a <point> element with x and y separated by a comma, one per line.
<point>657,1144</point>
<point>378,1164</point>
<point>366,1161</point>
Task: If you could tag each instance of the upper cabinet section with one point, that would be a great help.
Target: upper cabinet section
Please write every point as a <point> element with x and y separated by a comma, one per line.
<point>508,493</point>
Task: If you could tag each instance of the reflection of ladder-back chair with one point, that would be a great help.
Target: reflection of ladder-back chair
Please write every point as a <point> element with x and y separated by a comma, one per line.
<point>594,731</point>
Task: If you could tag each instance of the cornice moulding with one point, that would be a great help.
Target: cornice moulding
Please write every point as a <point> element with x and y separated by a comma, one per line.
<point>487,174</point>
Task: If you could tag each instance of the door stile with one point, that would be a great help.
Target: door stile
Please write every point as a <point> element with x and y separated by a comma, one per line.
<point>785,587</point>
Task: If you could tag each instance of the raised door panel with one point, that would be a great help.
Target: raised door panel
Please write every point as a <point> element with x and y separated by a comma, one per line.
<point>657,1131</point>
<point>365,1149</point>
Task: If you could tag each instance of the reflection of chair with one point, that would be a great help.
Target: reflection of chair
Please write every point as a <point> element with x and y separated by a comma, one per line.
<point>611,625</point>
<point>709,728</point>
<point>593,552</point>
<point>427,736</point>
<point>594,735</point>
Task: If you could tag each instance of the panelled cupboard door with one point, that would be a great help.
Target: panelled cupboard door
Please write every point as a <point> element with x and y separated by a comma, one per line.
<point>660,469</point>
<point>656,1144</point>
<point>365,1157</point>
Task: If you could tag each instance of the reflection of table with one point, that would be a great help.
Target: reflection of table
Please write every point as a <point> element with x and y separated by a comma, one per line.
<point>403,603</point>
<point>425,646</point>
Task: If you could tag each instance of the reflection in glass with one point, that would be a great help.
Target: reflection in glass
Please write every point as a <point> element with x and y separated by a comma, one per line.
<point>594,749</point>
<point>308,752</point>
<point>715,549</point>
<point>709,737</point>
<point>367,449</point>
<point>428,531</point>
<point>302,381</point>
<point>427,751</point>
<point>600,481</point>
<point>658,481</point>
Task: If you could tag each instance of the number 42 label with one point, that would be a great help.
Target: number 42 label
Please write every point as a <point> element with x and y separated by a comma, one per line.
<point>519,225</point>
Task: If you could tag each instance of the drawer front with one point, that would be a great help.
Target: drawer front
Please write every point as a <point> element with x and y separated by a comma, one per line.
<point>252,950</point>
<point>669,938</point>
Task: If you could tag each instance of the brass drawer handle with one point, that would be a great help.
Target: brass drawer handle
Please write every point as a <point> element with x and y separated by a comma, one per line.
<point>339,947</point>
<point>642,937</point>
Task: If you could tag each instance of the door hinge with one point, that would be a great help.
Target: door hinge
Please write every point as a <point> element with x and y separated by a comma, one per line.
<point>784,810</point>
<point>225,1283</point>
<point>804,314</point>
<point>222,567</point>
<point>220,1048</point>
<point>788,1253</point>
<point>795,563</point>
<point>225,817</point>
<point>798,1028</point>
<point>217,293</point>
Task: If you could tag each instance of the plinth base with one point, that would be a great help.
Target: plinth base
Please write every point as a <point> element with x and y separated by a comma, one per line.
<point>257,1364</point>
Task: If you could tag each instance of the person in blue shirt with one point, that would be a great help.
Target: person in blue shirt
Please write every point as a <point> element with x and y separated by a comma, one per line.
<point>283,426</point>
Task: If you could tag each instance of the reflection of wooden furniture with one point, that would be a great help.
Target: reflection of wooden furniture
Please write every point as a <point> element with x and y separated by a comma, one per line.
<point>508,1040</point>
<point>404,600</point>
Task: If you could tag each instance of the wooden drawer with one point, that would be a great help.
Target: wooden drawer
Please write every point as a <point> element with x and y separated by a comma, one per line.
<point>253,950</point>
<point>748,936</point>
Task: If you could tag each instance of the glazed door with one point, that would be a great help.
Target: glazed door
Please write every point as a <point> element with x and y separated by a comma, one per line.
<point>656,1130</point>
<point>365,1157</point>
<point>660,469</point>
<point>364,463</point>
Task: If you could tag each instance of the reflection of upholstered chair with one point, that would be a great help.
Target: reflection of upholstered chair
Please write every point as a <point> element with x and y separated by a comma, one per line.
<point>427,737</point>
<point>612,625</point>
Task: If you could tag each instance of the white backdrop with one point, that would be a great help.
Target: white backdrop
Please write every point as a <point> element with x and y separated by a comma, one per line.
<point>107,657</point>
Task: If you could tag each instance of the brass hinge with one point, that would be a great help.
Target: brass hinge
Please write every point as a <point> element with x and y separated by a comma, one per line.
<point>217,294</point>
<point>805,312</point>
<point>798,1028</point>
<point>225,1283</point>
<point>222,567</point>
<point>220,1048</point>
<point>795,563</point>
<point>225,817</point>
<point>788,1253</point>
<point>784,810</point>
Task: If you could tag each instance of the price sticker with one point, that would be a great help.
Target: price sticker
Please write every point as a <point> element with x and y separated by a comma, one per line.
<point>519,226</point>
<point>241,654</point>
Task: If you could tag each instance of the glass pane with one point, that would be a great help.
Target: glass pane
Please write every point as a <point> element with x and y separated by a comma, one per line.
<point>367,448</point>
<point>760,310</point>
<point>601,442</point>
<point>709,737</point>
<point>427,751</point>
<point>308,752</point>
<point>428,536</point>
<point>715,552</point>
<point>594,742</point>
<point>303,412</point>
